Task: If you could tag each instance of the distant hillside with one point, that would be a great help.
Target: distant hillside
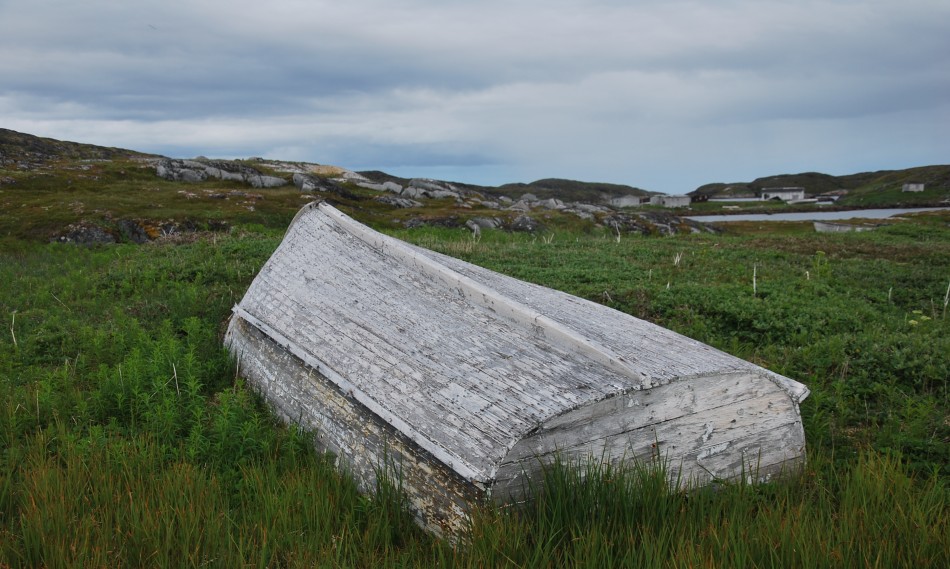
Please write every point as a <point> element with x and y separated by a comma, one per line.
<point>572,190</point>
<point>866,188</point>
<point>20,147</point>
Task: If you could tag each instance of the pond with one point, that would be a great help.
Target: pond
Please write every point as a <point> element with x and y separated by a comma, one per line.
<point>814,215</point>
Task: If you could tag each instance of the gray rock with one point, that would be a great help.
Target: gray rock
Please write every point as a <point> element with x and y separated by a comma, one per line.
<point>483,223</point>
<point>529,198</point>
<point>413,192</point>
<point>350,176</point>
<point>589,208</point>
<point>370,186</point>
<point>132,231</point>
<point>552,203</point>
<point>180,171</point>
<point>520,205</point>
<point>392,187</point>
<point>428,184</point>
<point>524,223</point>
<point>384,187</point>
<point>305,182</point>
<point>195,171</point>
<point>308,183</point>
<point>85,234</point>
<point>397,201</point>
<point>224,174</point>
<point>262,181</point>
<point>441,194</point>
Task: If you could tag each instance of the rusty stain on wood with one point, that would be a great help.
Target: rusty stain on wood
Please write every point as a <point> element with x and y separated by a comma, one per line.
<point>468,381</point>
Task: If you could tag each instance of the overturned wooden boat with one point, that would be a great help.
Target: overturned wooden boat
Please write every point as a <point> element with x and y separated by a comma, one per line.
<point>468,381</point>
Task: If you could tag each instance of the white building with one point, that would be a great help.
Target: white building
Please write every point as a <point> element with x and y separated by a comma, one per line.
<point>784,194</point>
<point>912,187</point>
<point>670,201</point>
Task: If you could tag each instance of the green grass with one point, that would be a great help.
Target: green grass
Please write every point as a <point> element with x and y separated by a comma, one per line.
<point>128,439</point>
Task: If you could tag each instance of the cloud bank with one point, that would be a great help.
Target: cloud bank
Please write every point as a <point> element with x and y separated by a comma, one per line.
<point>661,95</point>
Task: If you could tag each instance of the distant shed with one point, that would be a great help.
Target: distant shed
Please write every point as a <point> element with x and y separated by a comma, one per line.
<point>469,380</point>
<point>784,194</point>
<point>670,201</point>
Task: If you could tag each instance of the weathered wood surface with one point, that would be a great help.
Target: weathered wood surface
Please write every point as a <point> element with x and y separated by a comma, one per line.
<point>469,379</point>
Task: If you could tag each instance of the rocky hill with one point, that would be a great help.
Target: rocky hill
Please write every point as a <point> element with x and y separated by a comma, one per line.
<point>26,149</point>
<point>81,193</point>
<point>67,191</point>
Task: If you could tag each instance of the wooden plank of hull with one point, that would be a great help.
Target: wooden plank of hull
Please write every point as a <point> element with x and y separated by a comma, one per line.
<point>468,381</point>
<point>364,444</point>
<point>690,425</point>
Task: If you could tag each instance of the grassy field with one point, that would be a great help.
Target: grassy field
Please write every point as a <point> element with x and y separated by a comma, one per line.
<point>128,439</point>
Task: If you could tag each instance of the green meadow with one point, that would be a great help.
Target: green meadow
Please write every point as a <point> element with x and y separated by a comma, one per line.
<point>129,439</point>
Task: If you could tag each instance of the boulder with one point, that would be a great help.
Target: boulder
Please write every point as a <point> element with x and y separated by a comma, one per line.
<point>552,203</point>
<point>441,194</point>
<point>397,201</point>
<point>478,223</point>
<point>524,223</point>
<point>84,233</point>
<point>414,192</point>
<point>520,205</point>
<point>224,174</point>
<point>262,181</point>
<point>306,182</point>
<point>432,185</point>
<point>589,208</point>
<point>179,171</point>
<point>132,231</point>
<point>197,171</point>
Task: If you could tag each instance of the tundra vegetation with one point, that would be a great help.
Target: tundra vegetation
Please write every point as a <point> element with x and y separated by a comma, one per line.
<point>129,439</point>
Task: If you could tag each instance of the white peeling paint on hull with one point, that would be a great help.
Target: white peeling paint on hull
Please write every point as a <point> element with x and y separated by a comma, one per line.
<point>468,380</point>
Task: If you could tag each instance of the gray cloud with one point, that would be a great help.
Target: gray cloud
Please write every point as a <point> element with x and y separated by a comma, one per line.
<point>664,95</point>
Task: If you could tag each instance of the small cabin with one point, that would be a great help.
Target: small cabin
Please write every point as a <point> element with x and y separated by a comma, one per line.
<point>784,194</point>
<point>912,187</point>
<point>626,201</point>
<point>670,201</point>
<point>468,381</point>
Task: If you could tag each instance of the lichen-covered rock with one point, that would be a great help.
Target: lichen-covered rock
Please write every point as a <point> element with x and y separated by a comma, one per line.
<point>84,233</point>
<point>133,231</point>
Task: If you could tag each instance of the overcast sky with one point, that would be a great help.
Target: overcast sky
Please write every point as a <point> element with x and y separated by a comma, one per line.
<point>663,95</point>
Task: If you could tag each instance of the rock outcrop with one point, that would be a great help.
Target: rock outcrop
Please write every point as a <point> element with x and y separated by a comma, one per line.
<point>137,231</point>
<point>201,170</point>
<point>397,201</point>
